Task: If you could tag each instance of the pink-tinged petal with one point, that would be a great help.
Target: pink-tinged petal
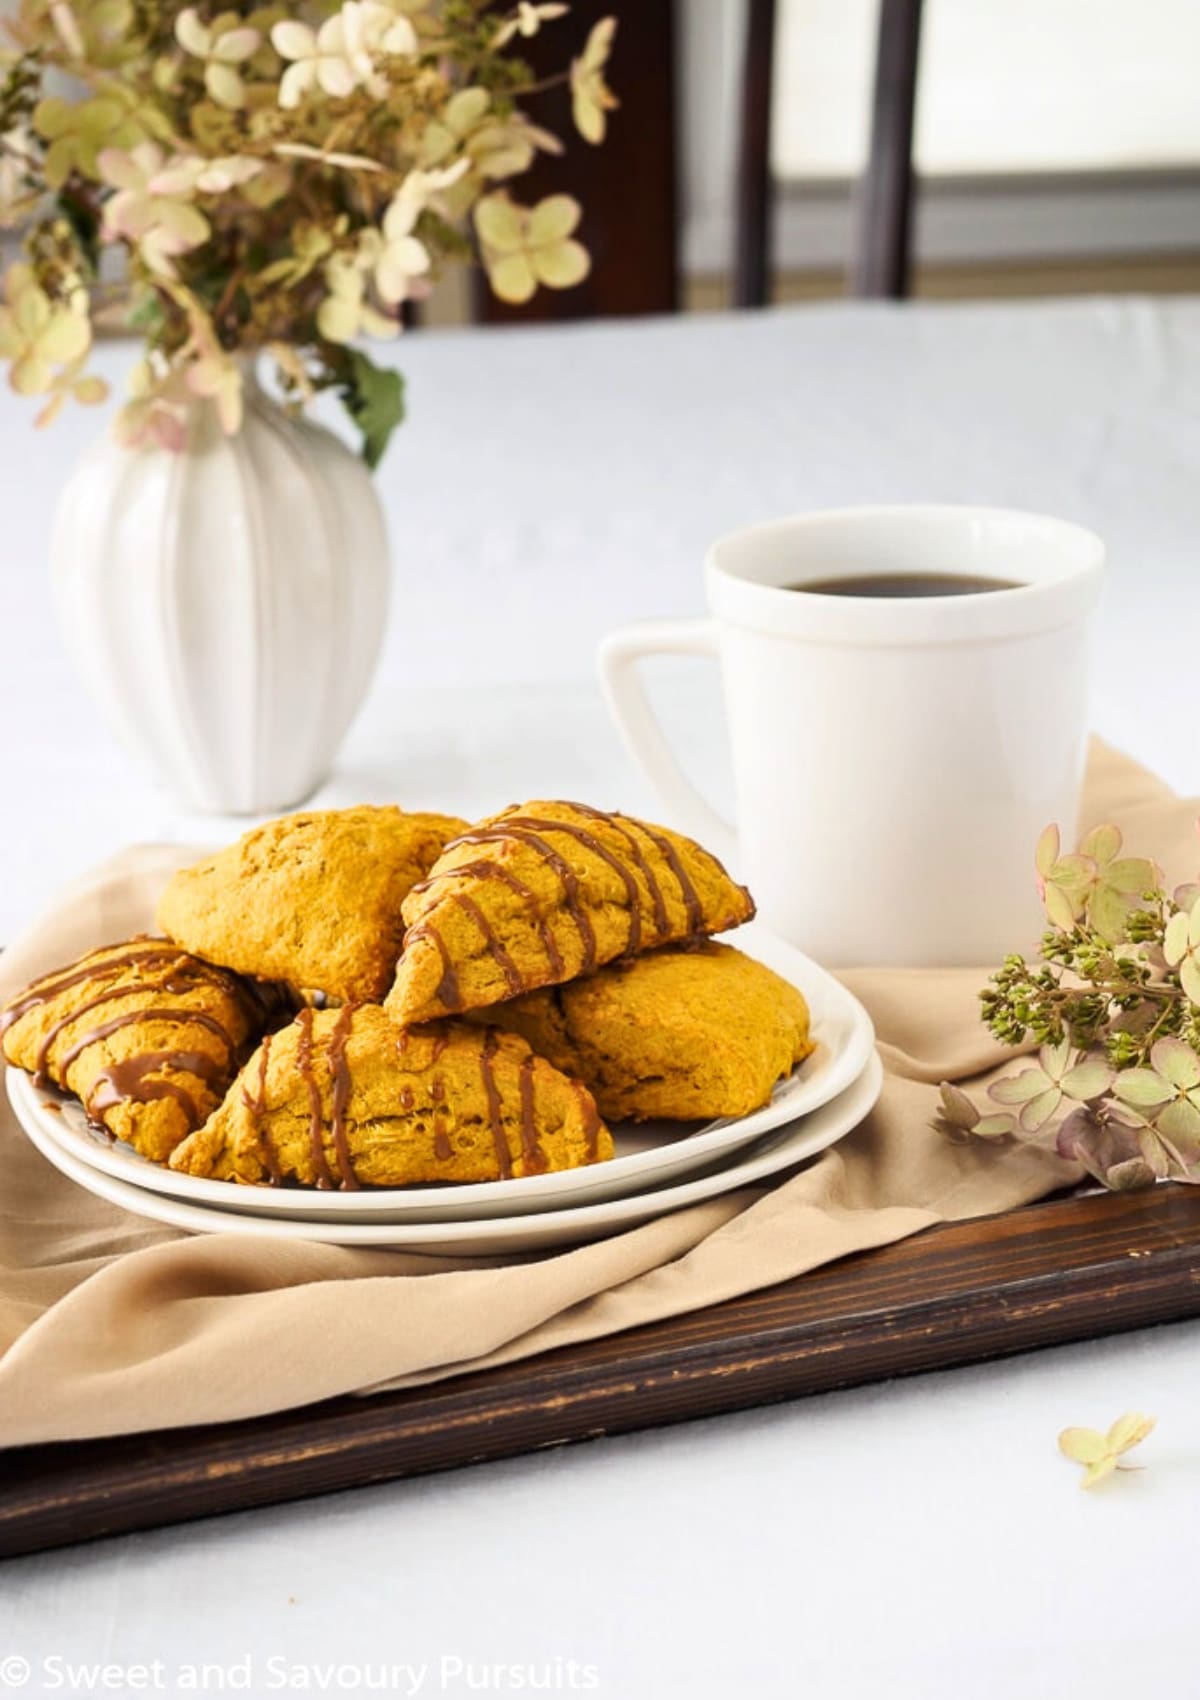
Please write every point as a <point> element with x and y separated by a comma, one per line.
<point>1175,939</point>
<point>1129,1431</point>
<point>1179,1122</point>
<point>501,225</point>
<point>30,375</point>
<point>1133,1175</point>
<point>336,77</point>
<point>561,266</point>
<point>89,392</point>
<point>1133,876</point>
<point>1083,1445</point>
<point>1061,912</point>
<point>957,1107</point>
<point>1038,1111</point>
<point>1055,1058</point>
<point>1154,1153</point>
<point>993,1127</point>
<point>1020,1088</point>
<point>1046,854</point>
<point>120,169</point>
<point>1108,913</point>
<point>225,85</point>
<point>1141,1087</point>
<point>1090,1078</point>
<point>236,45</point>
<point>191,34</point>
<point>511,277</point>
<point>1101,844</point>
<point>1189,977</point>
<point>292,40</point>
<point>65,338</point>
<point>1176,1062</point>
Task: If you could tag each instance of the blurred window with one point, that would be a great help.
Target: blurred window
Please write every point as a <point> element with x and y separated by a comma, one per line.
<point>1007,86</point>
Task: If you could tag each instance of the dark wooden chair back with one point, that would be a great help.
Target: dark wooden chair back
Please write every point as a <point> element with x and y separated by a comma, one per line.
<point>629,187</point>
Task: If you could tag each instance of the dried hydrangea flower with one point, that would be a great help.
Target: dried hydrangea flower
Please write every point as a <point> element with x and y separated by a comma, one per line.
<point>960,1118</point>
<point>1181,948</point>
<point>591,97</point>
<point>1040,1090</point>
<point>1099,1453</point>
<point>525,246</point>
<point>221,52</point>
<point>1167,1094</point>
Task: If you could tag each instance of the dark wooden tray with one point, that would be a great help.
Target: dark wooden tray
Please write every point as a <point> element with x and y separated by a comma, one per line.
<point>1063,1270</point>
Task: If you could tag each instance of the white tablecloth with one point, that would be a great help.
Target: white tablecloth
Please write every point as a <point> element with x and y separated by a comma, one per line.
<point>918,1539</point>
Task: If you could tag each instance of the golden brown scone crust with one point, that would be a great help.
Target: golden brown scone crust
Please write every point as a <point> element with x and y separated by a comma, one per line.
<point>346,1097</point>
<point>680,1034</point>
<point>544,892</point>
<point>312,899</point>
<point>144,1034</point>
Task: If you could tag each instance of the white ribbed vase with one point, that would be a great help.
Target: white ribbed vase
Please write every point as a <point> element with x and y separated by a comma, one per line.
<point>226,604</point>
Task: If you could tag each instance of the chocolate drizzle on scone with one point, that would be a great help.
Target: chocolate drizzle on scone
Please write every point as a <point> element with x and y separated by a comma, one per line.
<point>120,1064</point>
<point>468,946</point>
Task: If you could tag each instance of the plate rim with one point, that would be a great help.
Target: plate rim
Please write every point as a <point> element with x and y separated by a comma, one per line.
<point>620,1176</point>
<point>538,1230</point>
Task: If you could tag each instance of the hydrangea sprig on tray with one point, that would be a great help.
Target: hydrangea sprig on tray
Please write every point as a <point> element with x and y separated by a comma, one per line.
<point>279,178</point>
<point>1114,1005</point>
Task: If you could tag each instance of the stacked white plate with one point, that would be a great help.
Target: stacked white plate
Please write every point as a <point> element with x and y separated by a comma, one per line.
<point>658,1166</point>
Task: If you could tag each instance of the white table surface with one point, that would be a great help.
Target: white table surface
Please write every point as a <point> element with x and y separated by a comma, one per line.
<point>920,1538</point>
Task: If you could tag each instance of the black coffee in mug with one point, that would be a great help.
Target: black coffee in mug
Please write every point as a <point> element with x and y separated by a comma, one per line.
<point>900,585</point>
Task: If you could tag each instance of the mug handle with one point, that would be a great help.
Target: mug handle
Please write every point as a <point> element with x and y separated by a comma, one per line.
<point>617,659</point>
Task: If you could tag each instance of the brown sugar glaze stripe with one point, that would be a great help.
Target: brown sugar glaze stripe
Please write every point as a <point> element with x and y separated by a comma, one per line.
<point>662,923</point>
<point>691,900</point>
<point>182,981</point>
<point>316,1113</point>
<point>257,1107</point>
<point>500,956</point>
<point>533,1158</point>
<point>494,1105</point>
<point>46,989</point>
<point>447,992</point>
<point>589,841</point>
<point>40,1075</point>
<point>442,1148</point>
<point>521,832</point>
<point>125,1082</point>
<point>339,1070</point>
<point>135,1017</point>
<point>495,871</point>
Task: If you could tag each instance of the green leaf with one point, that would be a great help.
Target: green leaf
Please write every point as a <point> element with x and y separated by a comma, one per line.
<point>372,395</point>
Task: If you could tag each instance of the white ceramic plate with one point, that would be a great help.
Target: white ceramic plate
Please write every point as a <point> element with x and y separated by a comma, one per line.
<point>512,1234</point>
<point>647,1155</point>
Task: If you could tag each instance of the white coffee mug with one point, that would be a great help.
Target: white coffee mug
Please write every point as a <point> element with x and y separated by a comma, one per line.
<point>895,758</point>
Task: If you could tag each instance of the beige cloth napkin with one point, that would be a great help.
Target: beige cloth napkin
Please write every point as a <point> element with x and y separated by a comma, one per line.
<point>109,1324</point>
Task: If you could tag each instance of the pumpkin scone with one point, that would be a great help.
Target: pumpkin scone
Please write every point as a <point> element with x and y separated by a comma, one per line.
<point>681,1034</point>
<point>345,1098</point>
<point>546,891</point>
<point>312,899</point>
<point>145,1035</point>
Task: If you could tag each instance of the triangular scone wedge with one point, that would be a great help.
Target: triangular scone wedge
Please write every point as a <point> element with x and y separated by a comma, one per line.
<point>312,899</point>
<point>146,1036</point>
<point>679,1034</point>
<point>346,1098</point>
<point>545,892</point>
